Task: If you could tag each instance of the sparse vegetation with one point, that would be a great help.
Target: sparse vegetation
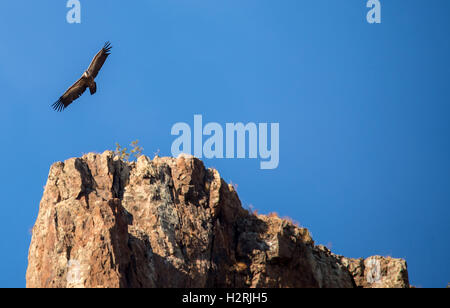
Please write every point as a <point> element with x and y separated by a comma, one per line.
<point>252,211</point>
<point>234,185</point>
<point>292,221</point>
<point>125,154</point>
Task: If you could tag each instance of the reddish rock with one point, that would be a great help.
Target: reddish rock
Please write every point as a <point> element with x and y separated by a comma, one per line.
<point>170,222</point>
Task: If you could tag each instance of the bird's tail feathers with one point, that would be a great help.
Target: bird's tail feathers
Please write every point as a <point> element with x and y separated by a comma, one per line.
<point>93,88</point>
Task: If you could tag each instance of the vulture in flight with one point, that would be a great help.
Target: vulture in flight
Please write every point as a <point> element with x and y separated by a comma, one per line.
<point>86,81</point>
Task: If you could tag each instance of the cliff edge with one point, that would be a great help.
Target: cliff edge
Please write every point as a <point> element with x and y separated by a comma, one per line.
<point>169,222</point>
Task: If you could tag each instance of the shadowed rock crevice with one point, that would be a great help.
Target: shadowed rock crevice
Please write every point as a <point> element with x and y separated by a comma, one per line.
<point>171,222</point>
<point>88,184</point>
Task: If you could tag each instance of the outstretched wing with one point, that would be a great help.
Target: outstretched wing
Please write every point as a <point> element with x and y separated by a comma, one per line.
<point>71,94</point>
<point>99,59</point>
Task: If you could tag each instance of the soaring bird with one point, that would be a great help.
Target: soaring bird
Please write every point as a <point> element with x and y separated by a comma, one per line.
<point>86,80</point>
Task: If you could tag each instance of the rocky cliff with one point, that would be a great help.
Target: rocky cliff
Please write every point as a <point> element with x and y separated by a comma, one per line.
<point>170,222</point>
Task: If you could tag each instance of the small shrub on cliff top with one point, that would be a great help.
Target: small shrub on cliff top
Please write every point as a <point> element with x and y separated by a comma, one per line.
<point>125,155</point>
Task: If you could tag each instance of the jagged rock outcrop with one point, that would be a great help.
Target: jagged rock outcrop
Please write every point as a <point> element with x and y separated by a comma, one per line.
<point>170,222</point>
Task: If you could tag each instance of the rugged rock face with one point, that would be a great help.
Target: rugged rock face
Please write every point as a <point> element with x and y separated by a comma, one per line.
<point>170,222</point>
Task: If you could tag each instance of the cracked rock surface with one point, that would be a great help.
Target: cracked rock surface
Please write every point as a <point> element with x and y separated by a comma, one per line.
<point>170,222</point>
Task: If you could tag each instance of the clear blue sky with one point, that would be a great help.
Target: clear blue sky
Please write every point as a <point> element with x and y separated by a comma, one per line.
<point>364,110</point>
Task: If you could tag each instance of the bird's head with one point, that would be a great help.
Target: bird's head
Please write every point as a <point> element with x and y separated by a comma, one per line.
<point>85,74</point>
